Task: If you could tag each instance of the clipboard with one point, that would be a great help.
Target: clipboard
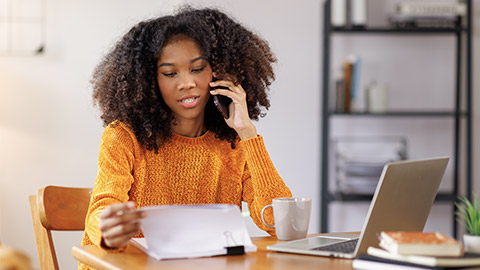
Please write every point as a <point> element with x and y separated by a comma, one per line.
<point>190,231</point>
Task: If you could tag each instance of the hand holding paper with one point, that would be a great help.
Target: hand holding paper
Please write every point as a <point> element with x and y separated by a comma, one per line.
<point>119,223</point>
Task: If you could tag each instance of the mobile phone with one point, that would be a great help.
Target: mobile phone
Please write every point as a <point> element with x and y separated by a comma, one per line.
<point>222,102</point>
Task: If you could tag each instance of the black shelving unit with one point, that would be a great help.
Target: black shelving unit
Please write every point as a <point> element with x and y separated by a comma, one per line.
<point>463,37</point>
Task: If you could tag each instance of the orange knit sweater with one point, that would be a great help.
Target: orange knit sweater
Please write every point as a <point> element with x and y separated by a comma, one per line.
<point>202,170</point>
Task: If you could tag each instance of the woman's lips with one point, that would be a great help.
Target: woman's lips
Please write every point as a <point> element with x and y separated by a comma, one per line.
<point>189,102</point>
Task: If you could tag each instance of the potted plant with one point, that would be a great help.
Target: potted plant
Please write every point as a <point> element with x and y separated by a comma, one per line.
<point>468,215</point>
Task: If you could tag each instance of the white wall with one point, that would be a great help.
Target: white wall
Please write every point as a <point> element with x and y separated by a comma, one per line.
<point>49,130</point>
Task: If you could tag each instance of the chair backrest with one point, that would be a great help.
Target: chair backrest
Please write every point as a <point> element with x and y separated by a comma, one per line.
<point>57,208</point>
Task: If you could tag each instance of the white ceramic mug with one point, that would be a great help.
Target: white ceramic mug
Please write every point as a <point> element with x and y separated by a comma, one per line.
<point>291,217</point>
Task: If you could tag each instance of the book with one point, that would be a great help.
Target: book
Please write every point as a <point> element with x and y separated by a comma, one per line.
<point>347,77</point>
<point>347,85</point>
<point>190,231</point>
<point>354,87</point>
<point>339,94</point>
<point>369,262</point>
<point>420,243</point>
<point>466,260</point>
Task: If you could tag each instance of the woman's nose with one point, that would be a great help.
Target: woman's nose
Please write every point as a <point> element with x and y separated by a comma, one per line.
<point>187,82</point>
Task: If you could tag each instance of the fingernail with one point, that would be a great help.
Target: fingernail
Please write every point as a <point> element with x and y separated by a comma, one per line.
<point>213,84</point>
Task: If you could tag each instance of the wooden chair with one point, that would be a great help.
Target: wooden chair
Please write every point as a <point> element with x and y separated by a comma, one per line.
<point>14,259</point>
<point>57,208</point>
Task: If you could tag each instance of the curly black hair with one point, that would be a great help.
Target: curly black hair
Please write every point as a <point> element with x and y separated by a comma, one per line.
<point>125,84</point>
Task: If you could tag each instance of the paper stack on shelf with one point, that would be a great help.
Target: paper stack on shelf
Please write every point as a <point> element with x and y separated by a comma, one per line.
<point>359,161</point>
<point>428,14</point>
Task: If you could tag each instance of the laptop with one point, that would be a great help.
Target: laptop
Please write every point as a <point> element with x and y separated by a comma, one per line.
<point>402,201</point>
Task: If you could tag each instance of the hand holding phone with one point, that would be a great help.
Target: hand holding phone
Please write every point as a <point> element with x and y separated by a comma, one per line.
<point>222,103</point>
<point>231,95</point>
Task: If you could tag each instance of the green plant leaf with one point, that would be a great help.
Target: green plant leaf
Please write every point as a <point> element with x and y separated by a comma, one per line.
<point>468,214</point>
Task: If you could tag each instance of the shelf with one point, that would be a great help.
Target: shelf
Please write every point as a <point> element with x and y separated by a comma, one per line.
<point>345,197</point>
<point>460,114</point>
<point>390,30</point>
<point>400,114</point>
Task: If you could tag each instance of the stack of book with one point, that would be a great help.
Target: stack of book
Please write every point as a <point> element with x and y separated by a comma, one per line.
<point>416,250</point>
<point>428,14</point>
<point>347,84</point>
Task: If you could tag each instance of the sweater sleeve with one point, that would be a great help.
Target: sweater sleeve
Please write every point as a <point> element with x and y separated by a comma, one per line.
<point>114,177</point>
<point>261,182</point>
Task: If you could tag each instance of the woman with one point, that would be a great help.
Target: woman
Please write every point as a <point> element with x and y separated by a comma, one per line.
<point>165,142</point>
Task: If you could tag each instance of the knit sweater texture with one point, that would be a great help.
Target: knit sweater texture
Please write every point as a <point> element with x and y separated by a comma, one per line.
<point>201,170</point>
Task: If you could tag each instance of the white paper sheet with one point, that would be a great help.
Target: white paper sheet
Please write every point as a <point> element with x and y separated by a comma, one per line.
<point>187,231</point>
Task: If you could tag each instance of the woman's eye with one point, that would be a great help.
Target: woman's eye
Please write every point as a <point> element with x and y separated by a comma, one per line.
<point>169,74</point>
<point>197,70</point>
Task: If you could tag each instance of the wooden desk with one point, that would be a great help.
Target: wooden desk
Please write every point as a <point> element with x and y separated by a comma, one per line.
<point>133,258</point>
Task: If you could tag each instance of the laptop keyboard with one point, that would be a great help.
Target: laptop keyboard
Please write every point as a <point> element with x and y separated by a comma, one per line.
<point>343,247</point>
